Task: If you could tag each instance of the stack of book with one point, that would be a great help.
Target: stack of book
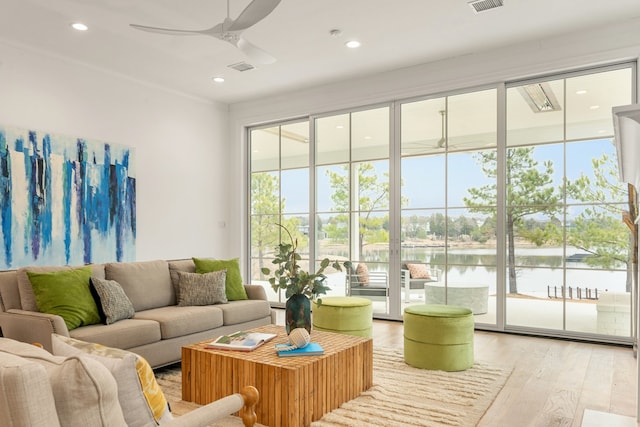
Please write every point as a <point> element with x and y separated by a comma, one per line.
<point>311,349</point>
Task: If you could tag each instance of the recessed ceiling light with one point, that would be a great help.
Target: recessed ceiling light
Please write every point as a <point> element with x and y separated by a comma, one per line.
<point>79,26</point>
<point>581,92</point>
<point>339,127</point>
<point>594,107</point>
<point>218,79</point>
<point>352,44</point>
<point>368,137</point>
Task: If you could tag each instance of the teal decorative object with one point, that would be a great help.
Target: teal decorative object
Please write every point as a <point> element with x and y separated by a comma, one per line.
<point>298,313</point>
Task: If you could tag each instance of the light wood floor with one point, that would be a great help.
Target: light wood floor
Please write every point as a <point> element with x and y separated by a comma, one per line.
<point>553,381</point>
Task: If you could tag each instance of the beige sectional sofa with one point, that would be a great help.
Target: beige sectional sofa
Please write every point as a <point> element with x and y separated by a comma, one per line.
<point>159,327</point>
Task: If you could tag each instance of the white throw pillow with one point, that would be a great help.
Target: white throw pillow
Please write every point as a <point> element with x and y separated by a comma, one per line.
<point>85,393</point>
<point>141,398</point>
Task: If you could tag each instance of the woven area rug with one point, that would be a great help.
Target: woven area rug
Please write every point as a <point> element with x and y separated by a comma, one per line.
<point>400,396</point>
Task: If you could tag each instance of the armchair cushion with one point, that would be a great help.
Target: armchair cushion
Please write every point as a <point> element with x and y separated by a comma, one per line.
<point>84,391</point>
<point>419,271</point>
<point>140,396</point>
<point>362,271</point>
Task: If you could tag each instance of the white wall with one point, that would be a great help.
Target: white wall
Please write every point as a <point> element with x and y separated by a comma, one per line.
<point>600,45</point>
<point>181,144</point>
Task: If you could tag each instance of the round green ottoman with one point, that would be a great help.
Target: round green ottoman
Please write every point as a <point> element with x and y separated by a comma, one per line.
<point>343,315</point>
<point>438,337</point>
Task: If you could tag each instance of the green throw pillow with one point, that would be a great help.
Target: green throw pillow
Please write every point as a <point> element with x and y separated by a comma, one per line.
<point>67,294</point>
<point>234,288</point>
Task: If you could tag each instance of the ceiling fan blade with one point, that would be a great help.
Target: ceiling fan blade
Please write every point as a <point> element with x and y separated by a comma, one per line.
<point>214,31</point>
<point>254,53</point>
<point>256,11</point>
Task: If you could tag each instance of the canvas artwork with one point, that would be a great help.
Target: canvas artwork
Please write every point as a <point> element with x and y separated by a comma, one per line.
<point>65,200</point>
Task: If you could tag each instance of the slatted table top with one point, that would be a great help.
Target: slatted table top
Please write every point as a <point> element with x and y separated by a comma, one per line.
<point>266,353</point>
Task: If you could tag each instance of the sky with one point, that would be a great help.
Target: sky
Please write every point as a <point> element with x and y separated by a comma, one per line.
<point>424,177</point>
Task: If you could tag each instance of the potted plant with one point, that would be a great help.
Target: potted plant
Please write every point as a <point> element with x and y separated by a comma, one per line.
<point>299,286</point>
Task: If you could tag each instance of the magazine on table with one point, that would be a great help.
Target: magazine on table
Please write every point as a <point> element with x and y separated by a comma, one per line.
<point>241,341</point>
<point>311,349</point>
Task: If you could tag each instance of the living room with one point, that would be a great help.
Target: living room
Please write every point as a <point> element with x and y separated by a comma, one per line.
<point>193,148</point>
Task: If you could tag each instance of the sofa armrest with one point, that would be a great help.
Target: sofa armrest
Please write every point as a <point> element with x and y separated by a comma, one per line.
<point>32,326</point>
<point>245,402</point>
<point>256,292</point>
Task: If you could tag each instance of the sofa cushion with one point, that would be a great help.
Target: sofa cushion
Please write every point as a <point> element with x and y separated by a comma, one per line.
<point>179,321</point>
<point>26,397</point>
<point>201,289</point>
<point>244,311</point>
<point>84,391</point>
<point>27,297</point>
<point>147,284</point>
<point>234,287</point>
<point>185,265</point>
<point>66,293</point>
<point>113,302</point>
<point>140,396</point>
<point>125,334</point>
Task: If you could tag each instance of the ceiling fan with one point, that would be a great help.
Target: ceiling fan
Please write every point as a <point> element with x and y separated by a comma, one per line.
<point>230,30</point>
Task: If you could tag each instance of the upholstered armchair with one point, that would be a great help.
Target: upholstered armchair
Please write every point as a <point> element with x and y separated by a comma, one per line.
<point>40,389</point>
<point>414,275</point>
<point>373,285</point>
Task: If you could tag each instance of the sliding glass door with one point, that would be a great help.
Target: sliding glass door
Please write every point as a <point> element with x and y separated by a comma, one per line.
<point>504,199</point>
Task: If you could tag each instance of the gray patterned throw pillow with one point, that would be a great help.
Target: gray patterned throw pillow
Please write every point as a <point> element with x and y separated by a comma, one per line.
<point>114,302</point>
<point>201,289</point>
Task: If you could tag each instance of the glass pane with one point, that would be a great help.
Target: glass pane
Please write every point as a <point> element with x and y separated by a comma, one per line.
<point>332,188</point>
<point>373,237</point>
<point>370,134</point>
<point>332,139</point>
<point>535,113</point>
<point>472,237</point>
<point>422,127</point>
<point>372,186</point>
<point>597,238</point>
<point>537,239</point>
<point>265,149</point>
<point>478,187</point>
<point>265,235</point>
<point>534,177</point>
<point>598,302</point>
<point>592,173</point>
<point>295,145</point>
<point>295,190</point>
<point>472,120</point>
<point>590,99</point>
<point>423,234</point>
<point>265,195</point>
<point>532,307</point>
<point>423,181</point>
<point>333,236</point>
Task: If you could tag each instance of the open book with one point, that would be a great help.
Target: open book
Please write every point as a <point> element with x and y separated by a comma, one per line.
<point>241,341</point>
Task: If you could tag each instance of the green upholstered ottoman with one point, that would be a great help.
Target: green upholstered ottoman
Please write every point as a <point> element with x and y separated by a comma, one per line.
<point>438,337</point>
<point>343,315</point>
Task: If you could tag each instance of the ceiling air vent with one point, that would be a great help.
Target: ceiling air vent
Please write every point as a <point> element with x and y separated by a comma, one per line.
<point>241,66</point>
<point>483,5</point>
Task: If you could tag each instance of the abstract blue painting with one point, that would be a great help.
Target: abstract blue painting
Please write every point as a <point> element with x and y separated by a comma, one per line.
<point>65,200</point>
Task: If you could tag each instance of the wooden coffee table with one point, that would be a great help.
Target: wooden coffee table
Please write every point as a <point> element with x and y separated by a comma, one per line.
<point>294,391</point>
